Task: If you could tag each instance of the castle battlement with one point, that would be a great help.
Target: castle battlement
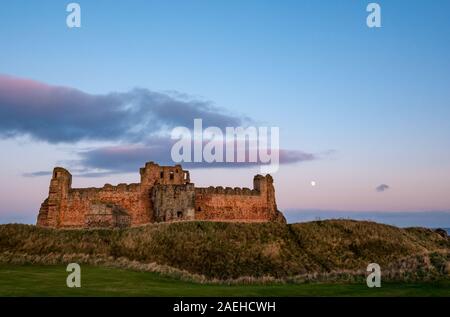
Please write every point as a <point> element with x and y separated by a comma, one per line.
<point>165,193</point>
<point>219,190</point>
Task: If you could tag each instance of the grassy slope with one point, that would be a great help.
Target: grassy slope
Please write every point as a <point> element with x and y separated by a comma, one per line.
<point>231,250</point>
<point>98,281</point>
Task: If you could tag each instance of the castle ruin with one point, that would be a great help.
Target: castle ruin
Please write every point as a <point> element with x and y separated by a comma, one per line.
<point>165,193</point>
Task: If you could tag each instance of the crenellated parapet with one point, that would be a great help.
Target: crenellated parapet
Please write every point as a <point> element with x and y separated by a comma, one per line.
<point>165,193</point>
<point>219,190</point>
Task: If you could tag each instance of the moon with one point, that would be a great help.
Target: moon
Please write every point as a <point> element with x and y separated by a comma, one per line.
<point>313,183</point>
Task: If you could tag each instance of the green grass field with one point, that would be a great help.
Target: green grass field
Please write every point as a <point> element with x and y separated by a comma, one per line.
<point>33,280</point>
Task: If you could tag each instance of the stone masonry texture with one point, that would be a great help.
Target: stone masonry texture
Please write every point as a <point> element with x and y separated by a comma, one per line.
<point>165,193</point>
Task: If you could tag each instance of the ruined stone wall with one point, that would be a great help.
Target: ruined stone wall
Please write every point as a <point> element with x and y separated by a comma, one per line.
<point>152,174</point>
<point>164,194</point>
<point>80,201</point>
<point>107,215</point>
<point>173,202</point>
<point>50,211</point>
<point>238,204</point>
<point>215,204</point>
<point>68,207</point>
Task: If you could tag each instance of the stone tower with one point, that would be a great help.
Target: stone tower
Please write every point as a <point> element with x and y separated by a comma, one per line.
<point>152,175</point>
<point>264,184</point>
<point>49,213</point>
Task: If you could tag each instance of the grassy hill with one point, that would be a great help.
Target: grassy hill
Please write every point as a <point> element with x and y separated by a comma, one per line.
<point>213,251</point>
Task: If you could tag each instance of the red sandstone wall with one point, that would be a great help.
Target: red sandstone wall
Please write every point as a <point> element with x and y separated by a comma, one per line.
<point>234,205</point>
<point>77,205</point>
<point>67,207</point>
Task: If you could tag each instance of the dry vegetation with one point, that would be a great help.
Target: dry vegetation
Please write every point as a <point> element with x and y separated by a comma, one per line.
<point>240,252</point>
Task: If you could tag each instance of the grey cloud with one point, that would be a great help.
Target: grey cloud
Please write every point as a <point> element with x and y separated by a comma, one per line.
<point>61,114</point>
<point>128,158</point>
<point>381,188</point>
<point>37,174</point>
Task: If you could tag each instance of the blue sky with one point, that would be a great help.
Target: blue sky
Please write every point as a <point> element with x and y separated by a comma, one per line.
<point>372,104</point>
